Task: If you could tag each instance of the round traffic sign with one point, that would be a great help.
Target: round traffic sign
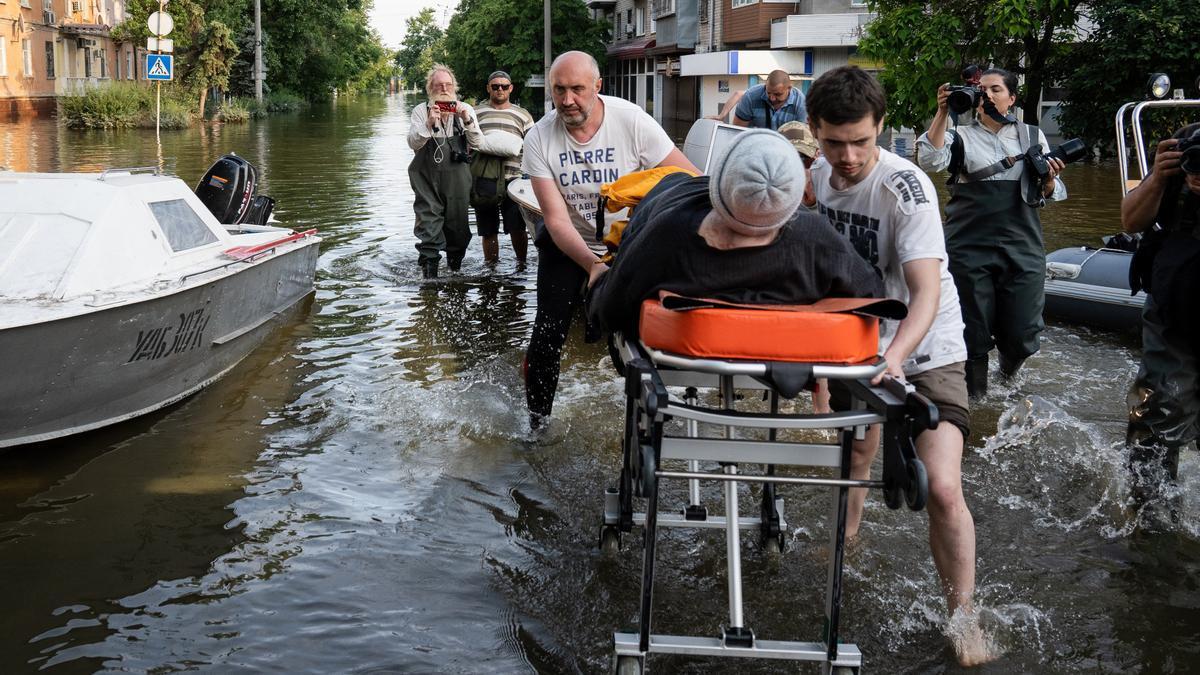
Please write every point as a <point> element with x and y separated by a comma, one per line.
<point>160,24</point>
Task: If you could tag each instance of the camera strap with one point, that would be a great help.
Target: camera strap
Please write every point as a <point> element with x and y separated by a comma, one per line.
<point>1004,164</point>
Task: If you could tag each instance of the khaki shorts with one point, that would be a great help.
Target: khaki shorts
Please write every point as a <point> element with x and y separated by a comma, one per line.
<point>944,386</point>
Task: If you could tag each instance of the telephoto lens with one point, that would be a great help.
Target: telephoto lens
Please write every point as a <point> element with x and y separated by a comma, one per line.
<point>1070,151</point>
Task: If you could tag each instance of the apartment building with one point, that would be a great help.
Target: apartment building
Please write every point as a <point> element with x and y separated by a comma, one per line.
<point>51,48</point>
<point>683,59</point>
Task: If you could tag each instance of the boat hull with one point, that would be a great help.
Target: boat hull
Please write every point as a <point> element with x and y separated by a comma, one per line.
<point>79,373</point>
<point>1091,287</point>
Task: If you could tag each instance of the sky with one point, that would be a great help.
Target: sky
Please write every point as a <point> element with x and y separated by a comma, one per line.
<point>389,17</point>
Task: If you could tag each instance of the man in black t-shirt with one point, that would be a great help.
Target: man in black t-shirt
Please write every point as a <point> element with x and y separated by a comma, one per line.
<point>735,235</point>
<point>1164,401</point>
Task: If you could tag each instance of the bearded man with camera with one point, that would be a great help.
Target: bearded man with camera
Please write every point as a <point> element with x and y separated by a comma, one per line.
<point>1164,400</point>
<point>1000,176</point>
<point>442,133</point>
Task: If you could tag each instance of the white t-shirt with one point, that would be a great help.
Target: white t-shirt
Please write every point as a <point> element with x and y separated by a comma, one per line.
<point>628,140</point>
<point>892,217</point>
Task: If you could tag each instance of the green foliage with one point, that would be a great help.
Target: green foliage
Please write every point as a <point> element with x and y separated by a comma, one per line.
<point>423,46</point>
<point>310,47</point>
<point>124,105</point>
<point>235,110</point>
<point>489,35</point>
<point>922,45</point>
<point>1113,65</point>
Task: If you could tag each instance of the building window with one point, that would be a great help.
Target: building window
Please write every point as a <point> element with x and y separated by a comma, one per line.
<point>27,57</point>
<point>25,3</point>
<point>641,21</point>
<point>129,65</point>
<point>87,61</point>
<point>49,59</point>
<point>102,57</point>
<point>664,7</point>
<point>743,3</point>
<point>3,56</point>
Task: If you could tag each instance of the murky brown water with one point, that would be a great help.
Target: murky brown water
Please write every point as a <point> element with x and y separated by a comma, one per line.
<point>361,495</point>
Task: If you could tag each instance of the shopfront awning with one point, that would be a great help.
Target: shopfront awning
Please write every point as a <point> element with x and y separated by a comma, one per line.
<point>632,49</point>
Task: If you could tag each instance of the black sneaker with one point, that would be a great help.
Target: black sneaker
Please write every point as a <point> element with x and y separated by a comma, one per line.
<point>454,263</point>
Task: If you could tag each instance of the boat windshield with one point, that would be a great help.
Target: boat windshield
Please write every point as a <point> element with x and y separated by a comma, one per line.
<point>184,229</point>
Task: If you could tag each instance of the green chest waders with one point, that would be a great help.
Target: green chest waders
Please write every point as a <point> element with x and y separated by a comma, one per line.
<point>442,191</point>
<point>994,242</point>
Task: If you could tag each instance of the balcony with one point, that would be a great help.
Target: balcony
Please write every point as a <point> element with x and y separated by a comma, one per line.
<point>601,4</point>
<point>799,31</point>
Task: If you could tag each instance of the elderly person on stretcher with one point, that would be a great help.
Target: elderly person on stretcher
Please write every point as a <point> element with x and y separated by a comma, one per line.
<point>736,236</point>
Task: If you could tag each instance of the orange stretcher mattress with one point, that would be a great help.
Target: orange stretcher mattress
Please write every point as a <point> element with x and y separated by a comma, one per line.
<point>834,331</point>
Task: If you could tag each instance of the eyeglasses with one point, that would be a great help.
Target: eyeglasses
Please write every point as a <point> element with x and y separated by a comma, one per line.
<point>498,87</point>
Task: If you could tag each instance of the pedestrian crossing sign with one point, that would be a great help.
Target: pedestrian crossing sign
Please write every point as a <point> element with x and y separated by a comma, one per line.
<point>159,66</point>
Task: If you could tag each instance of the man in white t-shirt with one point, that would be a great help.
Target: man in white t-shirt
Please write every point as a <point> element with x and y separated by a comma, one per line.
<point>888,209</point>
<point>587,140</point>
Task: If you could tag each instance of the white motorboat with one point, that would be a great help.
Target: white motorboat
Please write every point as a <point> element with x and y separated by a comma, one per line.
<point>125,291</point>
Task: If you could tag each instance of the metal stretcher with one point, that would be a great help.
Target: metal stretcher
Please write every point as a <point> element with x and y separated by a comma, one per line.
<point>648,370</point>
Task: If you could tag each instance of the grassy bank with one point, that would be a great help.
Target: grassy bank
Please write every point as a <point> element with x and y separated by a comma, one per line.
<point>126,105</point>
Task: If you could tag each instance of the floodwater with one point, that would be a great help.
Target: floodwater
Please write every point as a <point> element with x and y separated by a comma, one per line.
<point>363,495</point>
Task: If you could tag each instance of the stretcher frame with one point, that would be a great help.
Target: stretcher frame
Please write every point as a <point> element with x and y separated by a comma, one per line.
<point>645,445</point>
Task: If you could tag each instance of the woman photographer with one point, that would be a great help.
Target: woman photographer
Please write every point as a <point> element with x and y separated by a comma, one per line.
<point>993,232</point>
<point>442,132</point>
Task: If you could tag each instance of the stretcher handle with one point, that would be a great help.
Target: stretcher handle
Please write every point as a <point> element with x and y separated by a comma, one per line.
<point>759,368</point>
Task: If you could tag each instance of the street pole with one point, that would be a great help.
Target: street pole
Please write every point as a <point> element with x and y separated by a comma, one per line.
<point>546,53</point>
<point>162,7</point>
<point>258,51</point>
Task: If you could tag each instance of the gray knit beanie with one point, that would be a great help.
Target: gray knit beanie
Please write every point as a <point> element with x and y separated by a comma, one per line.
<point>757,182</point>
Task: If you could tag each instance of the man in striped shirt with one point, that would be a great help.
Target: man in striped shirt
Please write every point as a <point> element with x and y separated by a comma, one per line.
<point>500,115</point>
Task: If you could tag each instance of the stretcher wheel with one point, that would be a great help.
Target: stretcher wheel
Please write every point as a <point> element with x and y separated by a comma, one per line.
<point>772,546</point>
<point>893,495</point>
<point>918,485</point>
<point>648,468</point>
<point>628,665</point>
<point>610,542</point>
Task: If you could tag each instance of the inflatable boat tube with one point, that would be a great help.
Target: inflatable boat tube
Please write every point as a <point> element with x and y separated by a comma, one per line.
<point>1090,286</point>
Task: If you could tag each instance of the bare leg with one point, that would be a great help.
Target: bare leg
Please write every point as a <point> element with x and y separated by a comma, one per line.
<point>952,539</point>
<point>520,243</point>
<point>861,458</point>
<point>491,249</point>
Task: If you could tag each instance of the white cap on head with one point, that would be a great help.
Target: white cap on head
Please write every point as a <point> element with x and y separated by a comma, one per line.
<point>757,182</point>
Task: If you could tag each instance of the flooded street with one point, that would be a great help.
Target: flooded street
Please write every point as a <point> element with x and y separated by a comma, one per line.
<point>362,494</point>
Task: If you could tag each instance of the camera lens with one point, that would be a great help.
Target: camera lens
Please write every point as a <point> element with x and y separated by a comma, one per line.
<point>959,101</point>
<point>1070,151</point>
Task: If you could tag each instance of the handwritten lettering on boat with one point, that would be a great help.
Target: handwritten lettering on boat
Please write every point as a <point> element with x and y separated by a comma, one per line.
<point>164,341</point>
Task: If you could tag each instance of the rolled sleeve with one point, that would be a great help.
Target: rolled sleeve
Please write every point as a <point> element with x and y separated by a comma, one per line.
<point>418,133</point>
<point>934,159</point>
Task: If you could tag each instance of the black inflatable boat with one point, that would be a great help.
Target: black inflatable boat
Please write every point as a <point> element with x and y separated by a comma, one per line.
<point>1090,286</point>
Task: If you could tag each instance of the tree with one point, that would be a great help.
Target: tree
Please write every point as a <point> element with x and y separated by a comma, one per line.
<point>216,53</point>
<point>489,35</point>
<point>421,48</point>
<point>1113,64</point>
<point>923,45</point>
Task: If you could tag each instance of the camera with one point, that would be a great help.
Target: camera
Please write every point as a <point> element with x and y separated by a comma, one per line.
<point>1068,152</point>
<point>963,98</point>
<point>461,157</point>
<point>1190,147</point>
<point>966,96</point>
<point>446,106</point>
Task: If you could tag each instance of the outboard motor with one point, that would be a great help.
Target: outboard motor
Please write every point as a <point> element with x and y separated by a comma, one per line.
<point>227,189</point>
